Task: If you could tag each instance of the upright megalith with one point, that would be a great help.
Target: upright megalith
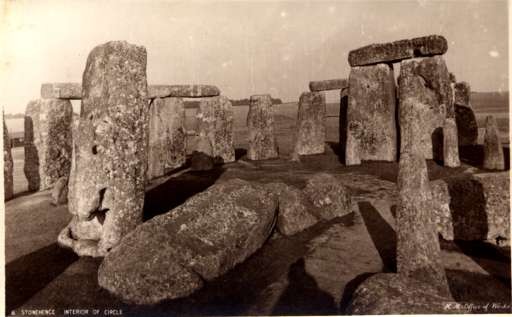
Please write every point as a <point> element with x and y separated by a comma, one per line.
<point>310,128</point>
<point>167,136</point>
<point>215,124</point>
<point>450,143</point>
<point>493,150</point>
<point>260,122</point>
<point>371,125</point>
<point>106,188</point>
<point>8,166</point>
<point>467,128</point>
<point>48,141</point>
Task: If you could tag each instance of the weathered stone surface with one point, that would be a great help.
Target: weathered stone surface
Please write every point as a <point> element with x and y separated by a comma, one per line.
<point>106,188</point>
<point>398,50</point>
<point>60,191</point>
<point>493,150</point>
<point>450,144</point>
<point>425,100</point>
<point>462,94</point>
<point>310,129</point>
<point>330,84</point>
<point>8,166</point>
<point>473,207</point>
<point>328,195</point>
<point>185,91</point>
<point>260,123</point>
<point>61,90</point>
<point>168,256</point>
<point>395,294</point>
<point>167,136</point>
<point>371,124</point>
<point>467,128</point>
<point>48,141</point>
<point>418,250</point>
<point>200,161</point>
<point>215,121</point>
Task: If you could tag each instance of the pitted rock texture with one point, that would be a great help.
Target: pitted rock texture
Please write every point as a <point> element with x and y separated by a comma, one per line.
<point>467,128</point>
<point>418,250</point>
<point>184,91</point>
<point>371,124</point>
<point>462,94</point>
<point>493,150</point>
<point>106,188</point>
<point>61,90</point>
<point>8,166</point>
<point>167,136</point>
<point>328,195</point>
<point>170,255</point>
<point>329,84</point>
<point>398,50</point>
<point>473,207</point>
<point>260,123</point>
<point>450,144</point>
<point>60,191</point>
<point>310,129</point>
<point>215,121</point>
<point>425,100</point>
<point>48,142</point>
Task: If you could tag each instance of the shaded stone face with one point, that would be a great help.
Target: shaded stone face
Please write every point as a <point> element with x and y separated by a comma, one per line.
<point>493,150</point>
<point>450,144</point>
<point>185,91</point>
<point>60,191</point>
<point>330,84</point>
<point>48,141</point>
<point>425,100</point>
<point>467,128</point>
<point>310,129</point>
<point>398,50</point>
<point>61,90</point>
<point>106,188</point>
<point>260,123</point>
<point>8,166</point>
<point>462,93</point>
<point>371,125</point>
<point>215,121</point>
<point>167,136</point>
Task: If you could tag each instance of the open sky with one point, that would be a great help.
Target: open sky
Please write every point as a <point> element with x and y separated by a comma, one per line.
<point>243,47</point>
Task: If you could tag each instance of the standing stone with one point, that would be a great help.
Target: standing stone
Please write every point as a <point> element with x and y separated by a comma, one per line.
<point>215,121</point>
<point>467,128</point>
<point>310,130</point>
<point>167,136</point>
<point>493,150</point>
<point>260,122</point>
<point>450,143</point>
<point>8,166</point>
<point>106,189</point>
<point>48,142</point>
<point>61,90</point>
<point>371,124</point>
<point>462,93</point>
<point>424,84</point>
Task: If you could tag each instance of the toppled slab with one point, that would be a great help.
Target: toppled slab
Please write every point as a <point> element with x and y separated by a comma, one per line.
<point>170,255</point>
<point>184,91</point>
<point>329,84</point>
<point>398,50</point>
<point>61,90</point>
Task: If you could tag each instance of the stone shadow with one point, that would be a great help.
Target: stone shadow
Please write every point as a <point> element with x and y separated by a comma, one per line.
<point>343,122</point>
<point>239,153</point>
<point>437,139</point>
<point>474,155</point>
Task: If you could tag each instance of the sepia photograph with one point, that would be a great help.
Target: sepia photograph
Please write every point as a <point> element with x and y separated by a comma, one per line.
<point>255,158</point>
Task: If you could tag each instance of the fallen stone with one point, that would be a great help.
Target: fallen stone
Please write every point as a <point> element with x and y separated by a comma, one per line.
<point>398,50</point>
<point>450,144</point>
<point>260,123</point>
<point>493,150</point>
<point>60,191</point>
<point>467,128</point>
<point>167,138</point>
<point>371,124</point>
<point>8,166</point>
<point>215,121</point>
<point>61,90</point>
<point>48,142</point>
<point>310,129</point>
<point>462,94</point>
<point>330,84</point>
<point>328,195</point>
<point>108,179</point>
<point>170,255</point>
<point>200,161</point>
<point>182,91</point>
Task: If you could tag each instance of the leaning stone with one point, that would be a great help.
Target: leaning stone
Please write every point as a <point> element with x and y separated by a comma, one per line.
<point>398,50</point>
<point>371,125</point>
<point>167,138</point>
<point>182,91</point>
<point>260,122</point>
<point>61,90</point>
<point>425,100</point>
<point>310,129</point>
<point>106,189</point>
<point>462,94</point>
<point>8,166</point>
<point>170,255</point>
<point>450,144</point>
<point>60,191</point>
<point>329,197</point>
<point>48,142</point>
<point>215,121</point>
<point>467,128</point>
<point>493,150</point>
<point>330,84</point>
<point>418,250</point>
